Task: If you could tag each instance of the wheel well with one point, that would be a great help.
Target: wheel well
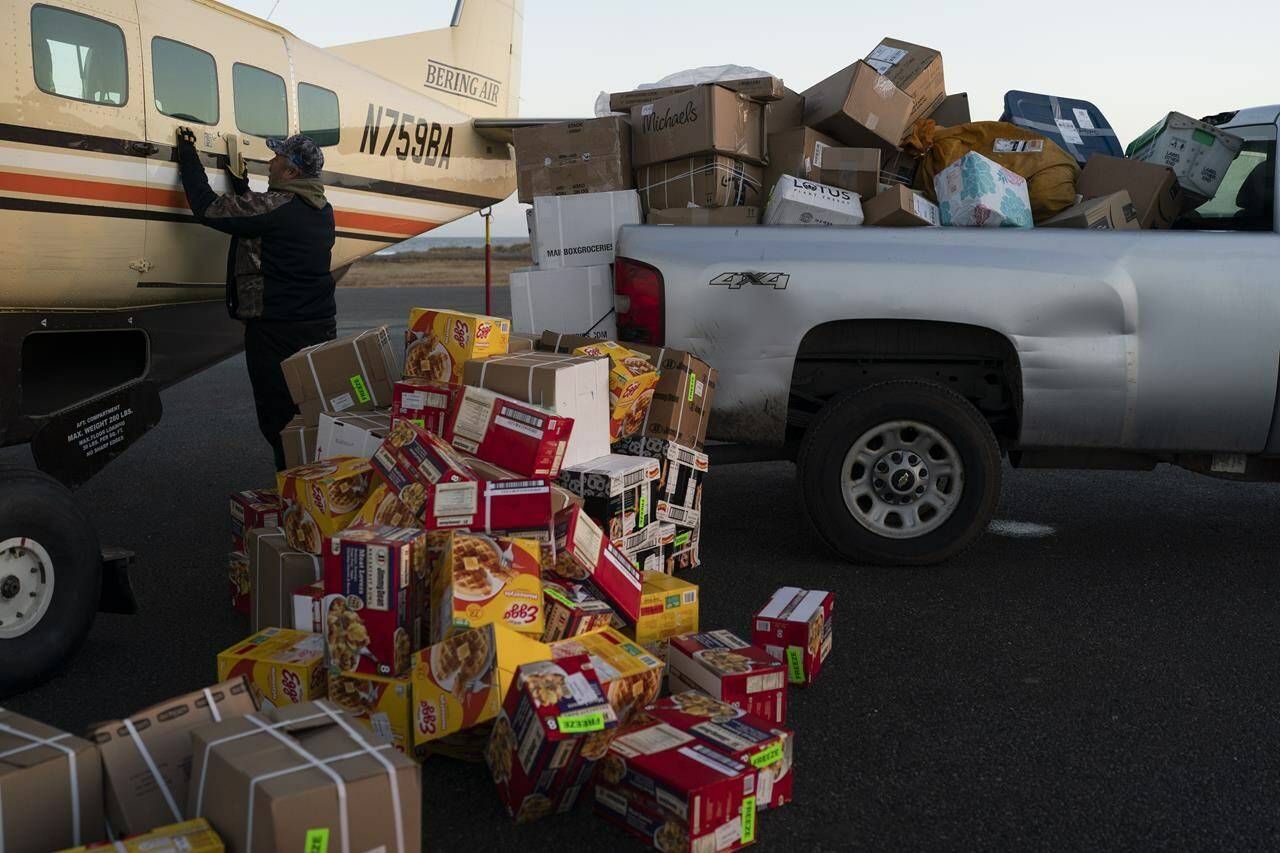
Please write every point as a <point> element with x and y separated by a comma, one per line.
<point>978,363</point>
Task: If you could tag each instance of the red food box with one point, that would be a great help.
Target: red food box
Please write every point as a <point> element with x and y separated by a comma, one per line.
<point>555,723</point>
<point>728,668</point>
<point>585,554</point>
<point>675,792</point>
<point>250,510</point>
<point>513,504</point>
<point>425,403</point>
<point>374,582</point>
<point>795,628</point>
<point>428,476</point>
<point>739,734</point>
<point>518,436</point>
<point>572,610</point>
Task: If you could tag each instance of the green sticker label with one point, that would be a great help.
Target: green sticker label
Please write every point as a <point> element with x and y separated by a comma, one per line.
<point>1203,137</point>
<point>551,593</point>
<point>420,423</point>
<point>642,512</point>
<point>682,539</point>
<point>693,384</point>
<point>362,391</point>
<point>795,664</point>
<point>317,841</point>
<point>748,815</point>
<point>579,723</point>
<point>771,754</point>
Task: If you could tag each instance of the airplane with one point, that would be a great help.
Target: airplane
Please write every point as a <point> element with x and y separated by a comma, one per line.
<point>109,290</point>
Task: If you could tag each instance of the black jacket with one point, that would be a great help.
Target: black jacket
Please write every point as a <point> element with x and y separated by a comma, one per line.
<point>281,246</point>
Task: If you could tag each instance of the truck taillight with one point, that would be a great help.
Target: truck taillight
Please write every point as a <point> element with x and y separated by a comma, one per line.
<point>639,301</point>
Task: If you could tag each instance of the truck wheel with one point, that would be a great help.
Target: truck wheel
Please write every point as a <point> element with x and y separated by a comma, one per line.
<point>900,473</point>
<point>50,577</point>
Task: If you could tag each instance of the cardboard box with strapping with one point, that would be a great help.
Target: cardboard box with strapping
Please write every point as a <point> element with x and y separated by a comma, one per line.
<point>579,298</point>
<point>761,88</point>
<point>299,439</point>
<point>860,107</point>
<point>915,70</point>
<point>573,157</point>
<point>581,230</point>
<point>705,120</point>
<point>275,571</point>
<point>50,787</point>
<point>351,373</point>
<point>709,180</point>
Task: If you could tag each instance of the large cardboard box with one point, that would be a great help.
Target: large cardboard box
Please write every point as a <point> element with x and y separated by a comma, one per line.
<point>581,230</point>
<point>796,152</point>
<point>578,298</point>
<point>355,372</point>
<point>516,435</point>
<point>321,498</point>
<point>300,778</point>
<point>704,120</point>
<point>50,787</point>
<point>1153,188</point>
<point>439,341</point>
<point>573,609</point>
<point>685,553</point>
<point>1112,212</point>
<point>299,440</point>
<point>573,157</point>
<point>915,70</point>
<point>648,548</point>
<point>730,669</point>
<point>617,491</point>
<point>351,434</point>
<point>275,571</point>
<point>487,580</point>
<point>796,201</point>
<point>783,114</point>
<point>898,207</point>
<point>762,88</point>
<point>190,836</point>
<point>976,192</point>
<point>856,169</point>
<point>146,758</point>
<point>723,217</point>
<point>710,180</point>
<point>282,666</point>
<point>953,110</point>
<point>795,627</point>
<point>383,704</point>
<point>860,107</point>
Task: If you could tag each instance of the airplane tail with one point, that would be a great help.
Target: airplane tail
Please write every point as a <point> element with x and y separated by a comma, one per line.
<point>473,65</point>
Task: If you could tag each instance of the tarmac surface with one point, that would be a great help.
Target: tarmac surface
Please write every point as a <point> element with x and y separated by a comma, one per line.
<point>1099,671</point>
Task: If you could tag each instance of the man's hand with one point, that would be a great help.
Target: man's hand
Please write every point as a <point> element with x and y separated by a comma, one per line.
<point>187,135</point>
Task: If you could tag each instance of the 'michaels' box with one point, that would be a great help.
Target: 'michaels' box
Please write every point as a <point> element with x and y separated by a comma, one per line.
<point>729,669</point>
<point>795,628</point>
<point>518,436</point>
<point>584,553</point>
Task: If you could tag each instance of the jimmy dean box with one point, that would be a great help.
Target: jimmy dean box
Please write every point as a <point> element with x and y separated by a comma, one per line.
<point>795,628</point>
<point>482,580</point>
<point>438,342</point>
<point>704,120</point>
<point>515,435</point>
<point>354,372</point>
<point>382,704</point>
<point>428,476</point>
<point>916,70</point>
<point>632,677</point>
<point>308,608</point>
<point>729,669</point>
<point>425,403</point>
<point>707,181</point>
<point>192,836</point>
<point>283,667</point>
<point>584,553</point>
<point>860,107</point>
<point>374,583</point>
<point>668,608</point>
<point>554,720</point>
<point>761,88</point>
<point>320,499</point>
<point>617,491</point>
<point>572,609</point>
<point>573,157</point>
<point>299,440</point>
<point>356,434</point>
<point>744,737</point>
<point>275,571</point>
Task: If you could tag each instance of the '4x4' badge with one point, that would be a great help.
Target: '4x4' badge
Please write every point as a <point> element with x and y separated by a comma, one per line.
<point>735,280</point>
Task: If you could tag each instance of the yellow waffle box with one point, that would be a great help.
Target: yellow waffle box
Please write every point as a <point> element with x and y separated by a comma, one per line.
<point>284,667</point>
<point>668,608</point>
<point>438,342</point>
<point>382,704</point>
<point>321,499</point>
<point>383,508</point>
<point>192,836</point>
<point>482,580</point>
<point>632,380</point>
<point>461,682</point>
<point>632,677</point>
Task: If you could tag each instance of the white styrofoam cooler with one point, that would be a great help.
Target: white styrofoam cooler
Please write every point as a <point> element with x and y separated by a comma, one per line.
<point>578,300</point>
<point>581,230</point>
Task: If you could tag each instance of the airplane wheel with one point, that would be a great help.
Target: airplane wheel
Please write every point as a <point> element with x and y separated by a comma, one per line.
<point>50,577</point>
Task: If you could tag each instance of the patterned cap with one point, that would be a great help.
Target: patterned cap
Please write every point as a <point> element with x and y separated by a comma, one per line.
<point>301,151</point>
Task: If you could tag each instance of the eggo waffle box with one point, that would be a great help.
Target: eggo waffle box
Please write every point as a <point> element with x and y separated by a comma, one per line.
<point>572,609</point>
<point>795,627</point>
<point>382,704</point>
<point>730,669</point>
<point>374,581</point>
<point>481,580</point>
<point>192,836</point>
<point>517,436</point>
<point>668,608</point>
<point>283,667</point>
<point>428,477</point>
<point>632,677</point>
<point>554,719</point>
<point>439,342</point>
<point>742,736</point>
<point>320,499</point>
<point>425,403</point>
<point>586,555</point>
<point>632,379</point>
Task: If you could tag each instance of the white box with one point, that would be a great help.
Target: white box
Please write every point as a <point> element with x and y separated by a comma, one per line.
<point>795,201</point>
<point>980,193</point>
<point>581,230</point>
<point>351,434</point>
<point>1198,152</point>
<point>577,300</point>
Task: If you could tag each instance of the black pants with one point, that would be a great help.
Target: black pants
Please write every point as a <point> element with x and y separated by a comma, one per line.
<point>266,344</point>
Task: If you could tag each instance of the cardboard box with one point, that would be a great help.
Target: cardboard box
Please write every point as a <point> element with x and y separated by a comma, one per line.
<point>587,555</point>
<point>724,217</point>
<point>703,120</point>
<point>146,758</point>
<point>1153,188</point>
<point>426,403</point>
<point>860,107</point>
<point>915,70</point>
<point>684,553</point>
<point>380,703</point>
<point>438,342</point>
<point>573,609</point>
<point>275,571</point>
<point>1113,212</point>
<point>681,471</point>
<point>763,88</point>
<point>485,580</point>
<point>899,207</point>
<point>428,476</point>
<point>50,786</point>
<point>710,180</point>
<point>384,507</point>
<point>238,579</point>
<point>899,167</point>
<point>524,341</point>
<point>795,201</point>
<point>555,720</point>
<point>573,157</point>
<point>570,386</point>
<point>282,781</point>
<point>191,836</point>
<point>282,667</point>
<point>308,608</point>
<point>578,298</point>
<point>250,510</point>
<point>795,627</point>
<point>977,192</point>
<point>632,677</point>
<point>518,436</point>
<point>632,379</point>
<point>355,372</point>
<point>856,169</point>
<point>668,608</point>
<point>953,110</point>
<point>783,114</point>
<point>299,440</point>
<point>320,499</point>
<point>581,230</point>
<point>1198,152</point>
<point>350,434</point>
<point>617,491</point>
<point>648,548</point>
<point>730,669</point>
<point>796,152</point>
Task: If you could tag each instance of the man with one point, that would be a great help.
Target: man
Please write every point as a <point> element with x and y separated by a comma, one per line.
<point>278,279</point>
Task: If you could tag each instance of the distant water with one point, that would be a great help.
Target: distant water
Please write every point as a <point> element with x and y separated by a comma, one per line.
<point>424,242</point>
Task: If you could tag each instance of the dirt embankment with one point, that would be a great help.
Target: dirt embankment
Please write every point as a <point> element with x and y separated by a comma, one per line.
<point>440,266</point>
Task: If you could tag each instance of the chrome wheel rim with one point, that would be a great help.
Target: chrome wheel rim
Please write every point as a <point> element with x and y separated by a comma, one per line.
<point>26,586</point>
<point>902,479</point>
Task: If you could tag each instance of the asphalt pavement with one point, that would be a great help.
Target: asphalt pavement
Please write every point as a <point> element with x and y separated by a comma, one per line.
<point>1099,671</point>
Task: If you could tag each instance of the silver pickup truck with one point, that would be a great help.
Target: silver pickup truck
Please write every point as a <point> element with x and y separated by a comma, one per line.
<point>898,365</point>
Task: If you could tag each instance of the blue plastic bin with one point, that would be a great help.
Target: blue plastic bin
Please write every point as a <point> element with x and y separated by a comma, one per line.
<point>1077,126</point>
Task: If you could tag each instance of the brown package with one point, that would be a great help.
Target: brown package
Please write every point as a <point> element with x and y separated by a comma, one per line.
<point>795,152</point>
<point>704,120</point>
<point>859,107</point>
<point>705,216</point>
<point>855,169</point>
<point>354,372</point>
<point>50,787</point>
<point>1113,212</point>
<point>146,759</point>
<point>572,157</point>
<point>784,114</point>
<point>759,88</point>
<point>899,207</point>
<point>1152,188</point>
<point>915,70</point>
<point>953,110</point>
<point>521,342</point>
<point>707,181</point>
<point>304,777</point>
<point>299,441</point>
<point>275,571</point>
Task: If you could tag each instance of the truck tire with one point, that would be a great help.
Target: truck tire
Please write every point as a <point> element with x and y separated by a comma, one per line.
<point>50,577</point>
<point>901,473</point>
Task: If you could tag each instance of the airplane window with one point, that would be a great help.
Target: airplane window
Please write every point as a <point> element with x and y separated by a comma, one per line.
<point>318,114</point>
<point>78,57</point>
<point>260,101</point>
<point>184,80</point>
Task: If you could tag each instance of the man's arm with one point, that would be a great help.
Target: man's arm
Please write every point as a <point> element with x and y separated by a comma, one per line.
<point>246,214</point>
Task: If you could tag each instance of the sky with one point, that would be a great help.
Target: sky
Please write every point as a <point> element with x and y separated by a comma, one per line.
<point>1135,61</point>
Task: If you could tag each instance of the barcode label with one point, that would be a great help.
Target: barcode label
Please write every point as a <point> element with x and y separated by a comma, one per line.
<point>690,597</point>
<point>526,418</point>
